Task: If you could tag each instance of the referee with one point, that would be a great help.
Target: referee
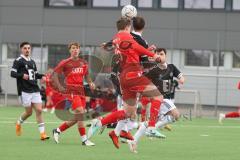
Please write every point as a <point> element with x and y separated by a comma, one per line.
<point>25,71</point>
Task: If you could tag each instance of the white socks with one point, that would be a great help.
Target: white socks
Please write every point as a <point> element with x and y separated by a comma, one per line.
<point>84,138</point>
<point>140,132</point>
<point>41,127</point>
<point>120,125</point>
<point>165,120</point>
<point>20,121</point>
<point>119,102</point>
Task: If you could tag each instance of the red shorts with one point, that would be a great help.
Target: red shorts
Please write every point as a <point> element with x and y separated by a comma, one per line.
<point>132,84</point>
<point>145,101</point>
<point>77,101</point>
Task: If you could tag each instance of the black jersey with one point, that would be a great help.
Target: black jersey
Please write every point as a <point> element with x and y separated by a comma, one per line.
<point>143,59</point>
<point>21,66</point>
<point>164,79</point>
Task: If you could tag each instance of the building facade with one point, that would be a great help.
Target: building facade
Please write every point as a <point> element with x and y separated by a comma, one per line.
<point>202,37</point>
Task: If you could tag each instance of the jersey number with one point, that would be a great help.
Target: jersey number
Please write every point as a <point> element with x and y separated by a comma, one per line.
<point>166,86</point>
<point>31,74</point>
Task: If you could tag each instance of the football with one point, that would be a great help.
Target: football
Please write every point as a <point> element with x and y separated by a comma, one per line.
<point>129,11</point>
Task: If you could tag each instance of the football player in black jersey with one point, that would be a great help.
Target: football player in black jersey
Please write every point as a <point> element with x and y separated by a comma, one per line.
<point>24,69</point>
<point>167,82</point>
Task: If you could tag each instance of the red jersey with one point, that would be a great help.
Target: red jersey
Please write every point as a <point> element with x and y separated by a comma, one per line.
<point>73,70</point>
<point>48,86</point>
<point>131,79</point>
<point>130,55</point>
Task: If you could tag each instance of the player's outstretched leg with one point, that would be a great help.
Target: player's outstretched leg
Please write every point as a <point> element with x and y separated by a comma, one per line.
<point>113,117</point>
<point>228,115</point>
<point>64,126</point>
<point>22,118</point>
<point>82,132</point>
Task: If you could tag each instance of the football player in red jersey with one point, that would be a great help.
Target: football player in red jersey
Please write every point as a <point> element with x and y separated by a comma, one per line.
<point>74,70</point>
<point>132,82</point>
<point>230,114</point>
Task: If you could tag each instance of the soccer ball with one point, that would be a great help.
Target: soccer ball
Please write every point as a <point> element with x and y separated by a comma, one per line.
<point>129,11</point>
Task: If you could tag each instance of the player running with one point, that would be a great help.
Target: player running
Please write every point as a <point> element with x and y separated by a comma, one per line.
<point>74,70</point>
<point>24,69</point>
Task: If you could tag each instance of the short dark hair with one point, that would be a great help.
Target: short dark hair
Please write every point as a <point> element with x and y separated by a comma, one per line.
<point>160,50</point>
<point>138,23</point>
<point>24,43</point>
<point>122,23</point>
<point>73,44</point>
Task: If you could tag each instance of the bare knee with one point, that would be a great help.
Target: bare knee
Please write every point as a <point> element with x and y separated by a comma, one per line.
<point>80,124</point>
<point>176,115</point>
<point>28,113</point>
<point>38,111</point>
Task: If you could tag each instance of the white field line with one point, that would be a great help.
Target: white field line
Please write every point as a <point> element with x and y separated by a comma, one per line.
<point>28,122</point>
<point>9,121</point>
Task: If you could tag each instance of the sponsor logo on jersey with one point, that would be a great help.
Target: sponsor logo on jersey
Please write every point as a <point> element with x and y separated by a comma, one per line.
<point>77,70</point>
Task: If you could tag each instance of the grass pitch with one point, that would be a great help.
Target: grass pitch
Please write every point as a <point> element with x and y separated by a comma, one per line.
<point>200,139</point>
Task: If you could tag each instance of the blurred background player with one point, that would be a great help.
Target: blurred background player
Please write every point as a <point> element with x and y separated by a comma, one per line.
<point>44,98</point>
<point>74,70</point>
<point>49,91</point>
<point>24,69</point>
<point>230,114</point>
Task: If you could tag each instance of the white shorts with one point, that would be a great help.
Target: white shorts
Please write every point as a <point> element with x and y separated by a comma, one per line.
<point>166,106</point>
<point>28,98</point>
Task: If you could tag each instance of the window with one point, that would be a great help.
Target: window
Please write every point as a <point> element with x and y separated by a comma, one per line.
<point>56,54</point>
<point>215,57</point>
<point>67,3</point>
<point>197,58</point>
<point>125,2</point>
<point>81,3</point>
<point>204,58</point>
<point>218,4</point>
<point>101,59</point>
<point>57,3</point>
<point>169,3</point>
<point>236,59</point>
<point>105,3</point>
<point>145,3</point>
<point>236,5</point>
<point>13,51</point>
<point>197,4</point>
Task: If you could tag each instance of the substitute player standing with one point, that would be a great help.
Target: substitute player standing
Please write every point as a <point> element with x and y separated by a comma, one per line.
<point>74,70</point>
<point>24,69</point>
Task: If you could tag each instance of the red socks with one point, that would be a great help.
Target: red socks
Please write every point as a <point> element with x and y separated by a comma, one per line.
<point>82,131</point>
<point>232,115</point>
<point>63,127</point>
<point>155,106</point>
<point>113,117</point>
<point>143,114</point>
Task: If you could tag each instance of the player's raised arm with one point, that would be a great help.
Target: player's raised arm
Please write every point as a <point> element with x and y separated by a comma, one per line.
<point>143,51</point>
